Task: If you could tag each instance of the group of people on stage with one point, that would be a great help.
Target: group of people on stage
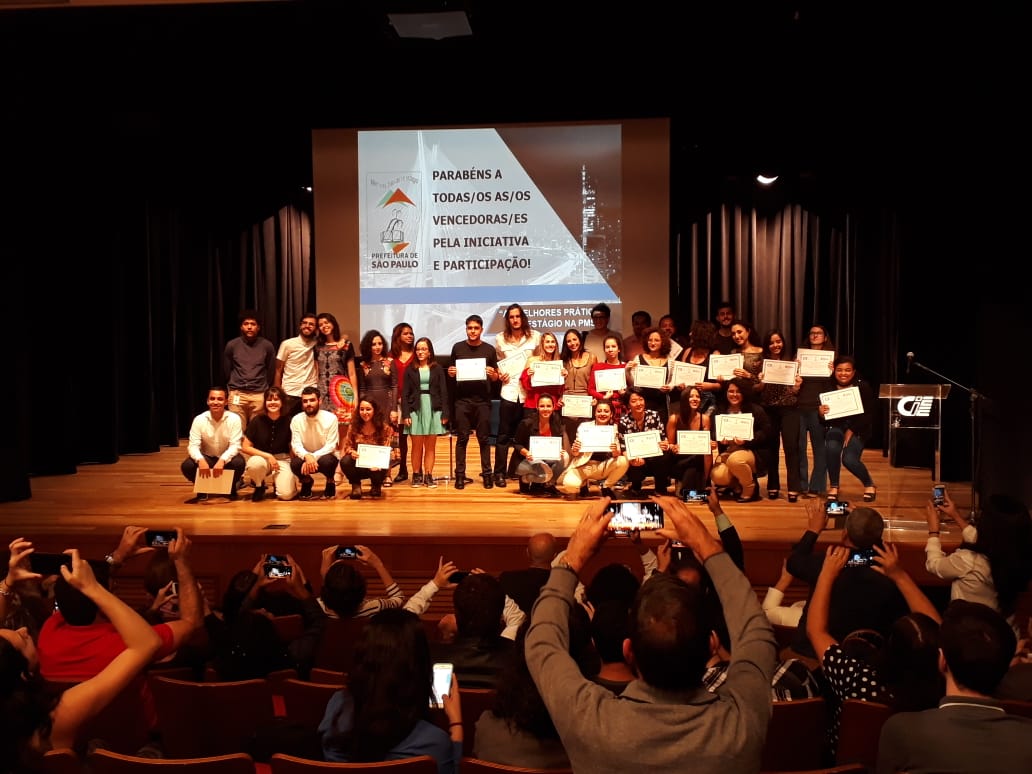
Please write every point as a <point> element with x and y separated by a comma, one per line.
<point>714,406</point>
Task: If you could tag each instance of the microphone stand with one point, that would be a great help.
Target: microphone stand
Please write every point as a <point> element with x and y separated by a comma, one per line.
<point>975,396</point>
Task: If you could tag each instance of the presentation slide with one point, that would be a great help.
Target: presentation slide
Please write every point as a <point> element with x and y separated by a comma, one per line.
<point>466,220</point>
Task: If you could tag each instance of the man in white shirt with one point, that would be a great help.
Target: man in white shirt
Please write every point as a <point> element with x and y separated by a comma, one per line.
<point>214,446</point>
<point>296,367</point>
<point>313,440</point>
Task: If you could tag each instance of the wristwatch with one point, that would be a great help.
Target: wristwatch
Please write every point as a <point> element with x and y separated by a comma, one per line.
<point>110,559</point>
<point>565,565</point>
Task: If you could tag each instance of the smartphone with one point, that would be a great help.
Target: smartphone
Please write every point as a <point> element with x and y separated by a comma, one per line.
<point>938,495</point>
<point>860,557</point>
<point>175,589</point>
<point>630,515</point>
<point>442,683</point>
<point>277,559</point>
<point>458,576</point>
<point>836,508</point>
<point>347,552</point>
<point>273,570</point>
<point>694,496</point>
<point>49,564</point>
<point>159,538</point>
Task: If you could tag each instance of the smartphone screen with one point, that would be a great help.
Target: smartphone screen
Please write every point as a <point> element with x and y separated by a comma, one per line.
<point>939,495</point>
<point>442,683</point>
<point>347,552</point>
<point>630,515</point>
<point>159,538</point>
<point>860,557</point>
<point>49,564</point>
<point>277,559</point>
<point>273,570</point>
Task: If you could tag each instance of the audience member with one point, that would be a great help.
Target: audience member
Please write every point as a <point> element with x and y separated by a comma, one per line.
<point>343,593</point>
<point>967,731</point>
<point>314,438</point>
<point>899,669</point>
<point>479,651</point>
<point>473,401</point>
<point>993,564</point>
<point>665,716</point>
<point>296,366</point>
<point>524,584</point>
<point>424,411</point>
<point>862,598</point>
<point>266,447</point>
<point>384,713</point>
<point>518,730</point>
<point>25,602</point>
<point>36,720</point>
<point>610,629</point>
<point>779,613</point>
<point>214,445</point>
<point>248,366</point>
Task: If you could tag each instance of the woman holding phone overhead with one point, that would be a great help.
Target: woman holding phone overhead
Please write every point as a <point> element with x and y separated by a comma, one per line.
<point>424,411</point>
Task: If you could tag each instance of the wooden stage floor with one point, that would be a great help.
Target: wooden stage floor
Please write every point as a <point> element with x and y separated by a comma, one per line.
<point>410,528</point>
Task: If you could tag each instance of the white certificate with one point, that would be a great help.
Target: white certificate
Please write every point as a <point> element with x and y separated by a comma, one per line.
<point>738,426</point>
<point>373,455</point>
<point>724,365</point>
<point>547,373</point>
<point>649,376</point>
<point>220,484</point>
<point>687,373</point>
<point>842,403</point>
<point>693,442</point>
<point>611,379</point>
<point>577,406</point>
<point>514,364</point>
<point>546,447</point>
<point>779,372</point>
<point>675,349</point>
<point>815,362</point>
<point>644,444</point>
<point>596,438</point>
<point>471,369</point>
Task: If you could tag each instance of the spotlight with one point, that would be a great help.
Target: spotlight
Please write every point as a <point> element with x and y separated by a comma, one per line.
<point>764,179</point>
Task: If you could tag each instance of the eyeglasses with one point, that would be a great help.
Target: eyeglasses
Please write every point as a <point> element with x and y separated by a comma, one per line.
<point>598,317</point>
<point>816,333</point>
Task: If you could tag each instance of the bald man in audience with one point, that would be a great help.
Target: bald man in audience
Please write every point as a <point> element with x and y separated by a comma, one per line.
<point>523,585</point>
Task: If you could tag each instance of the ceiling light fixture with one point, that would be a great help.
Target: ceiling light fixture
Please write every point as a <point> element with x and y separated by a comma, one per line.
<point>766,179</point>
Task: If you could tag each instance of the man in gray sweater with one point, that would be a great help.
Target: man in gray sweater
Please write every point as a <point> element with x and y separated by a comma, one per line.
<point>664,720</point>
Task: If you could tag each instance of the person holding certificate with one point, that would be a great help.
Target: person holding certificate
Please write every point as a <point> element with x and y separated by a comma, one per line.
<point>702,342</point>
<point>810,426</point>
<point>577,362</point>
<point>369,426</point>
<point>651,371</point>
<point>639,419</point>
<point>514,346</point>
<point>747,344</point>
<point>539,472</point>
<point>546,379</point>
<point>690,468</point>
<point>608,386</point>
<point>741,456</point>
<point>403,352</point>
<point>424,410</point>
<point>475,367</point>
<point>596,455</point>
<point>844,437</point>
<point>781,402</point>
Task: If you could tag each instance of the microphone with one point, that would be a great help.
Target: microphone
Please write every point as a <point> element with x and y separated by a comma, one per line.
<point>910,359</point>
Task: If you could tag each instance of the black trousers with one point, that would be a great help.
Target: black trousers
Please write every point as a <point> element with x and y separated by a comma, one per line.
<point>355,474</point>
<point>327,466</point>
<point>510,415</point>
<point>235,466</point>
<point>472,415</point>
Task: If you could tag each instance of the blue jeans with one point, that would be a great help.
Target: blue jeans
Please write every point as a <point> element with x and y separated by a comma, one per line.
<point>848,455</point>
<point>810,425</point>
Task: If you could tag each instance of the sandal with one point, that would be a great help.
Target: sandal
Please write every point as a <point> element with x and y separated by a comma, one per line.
<point>793,497</point>
<point>387,483</point>
<point>772,494</point>
<point>869,496</point>
<point>832,495</point>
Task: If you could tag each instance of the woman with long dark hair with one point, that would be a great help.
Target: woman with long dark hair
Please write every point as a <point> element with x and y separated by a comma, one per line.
<point>384,713</point>
<point>402,351</point>
<point>781,402</point>
<point>424,410</point>
<point>844,437</point>
<point>515,338</point>
<point>369,426</point>
<point>544,421</point>
<point>578,362</point>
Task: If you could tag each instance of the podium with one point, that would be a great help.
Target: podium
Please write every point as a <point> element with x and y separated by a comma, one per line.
<point>918,408</point>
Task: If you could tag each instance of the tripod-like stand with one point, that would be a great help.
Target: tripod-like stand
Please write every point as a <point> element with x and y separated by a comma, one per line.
<point>975,397</point>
